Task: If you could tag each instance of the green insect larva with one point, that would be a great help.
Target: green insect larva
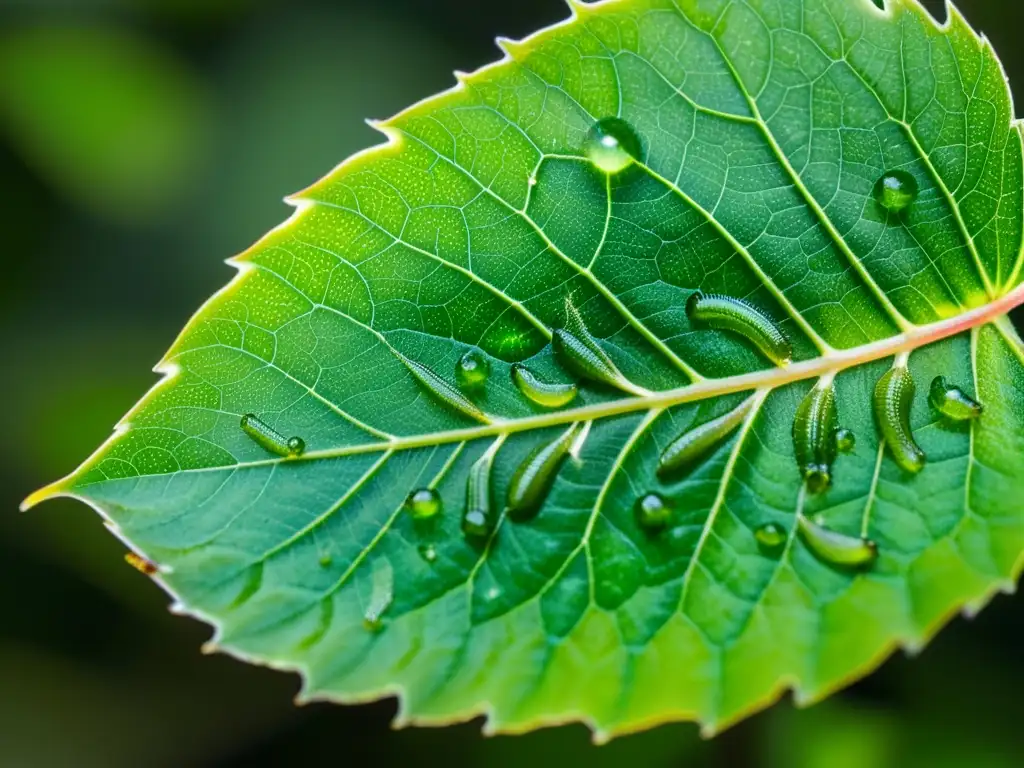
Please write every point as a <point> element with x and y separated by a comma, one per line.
<point>444,391</point>
<point>381,596</point>
<point>740,316</point>
<point>696,442</point>
<point>533,479</point>
<point>894,395</point>
<point>952,402</point>
<point>581,353</point>
<point>542,392</point>
<point>478,516</point>
<point>814,437</point>
<point>270,439</point>
<point>836,548</point>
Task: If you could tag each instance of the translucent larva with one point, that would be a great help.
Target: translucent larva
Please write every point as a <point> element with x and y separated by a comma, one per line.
<point>837,548</point>
<point>740,316</point>
<point>381,596</point>
<point>542,392</point>
<point>814,437</point>
<point>444,391</point>
<point>581,353</point>
<point>696,442</point>
<point>533,479</point>
<point>270,439</point>
<point>478,516</point>
<point>894,395</point>
<point>952,402</point>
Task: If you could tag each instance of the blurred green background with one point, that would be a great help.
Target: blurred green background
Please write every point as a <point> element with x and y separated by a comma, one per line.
<point>141,143</point>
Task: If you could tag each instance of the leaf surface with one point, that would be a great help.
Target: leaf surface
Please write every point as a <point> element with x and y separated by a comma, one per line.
<point>764,130</point>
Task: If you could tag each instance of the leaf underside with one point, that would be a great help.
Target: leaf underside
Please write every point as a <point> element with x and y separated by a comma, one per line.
<point>764,126</point>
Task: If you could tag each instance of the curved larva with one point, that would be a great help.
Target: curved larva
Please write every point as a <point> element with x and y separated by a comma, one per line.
<point>952,402</point>
<point>814,441</point>
<point>532,480</point>
<point>837,548</point>
<point>581,353</point>
<point>694,443</point>
<point>894,395</point>
<point>444,391</point>
<point>542,392</point>
<point>270,439</point>
<point>741,317</point>
<point>478,516</point>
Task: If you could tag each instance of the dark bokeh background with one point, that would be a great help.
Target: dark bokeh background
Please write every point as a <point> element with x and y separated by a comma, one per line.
<point>141,143</point>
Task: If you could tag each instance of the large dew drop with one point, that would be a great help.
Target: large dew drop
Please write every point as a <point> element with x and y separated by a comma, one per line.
<point>846,440</point>
<point>893,398</point>
<point>533,479</point>
<point>613,145</point>
<point>653,512</point>
<point>952,402</point>
<point>270,439</point>
<point>472,370</point>
<point>423,503</point>
<point>836,548</point>
<point>896,190</point>
<point>543,393</point>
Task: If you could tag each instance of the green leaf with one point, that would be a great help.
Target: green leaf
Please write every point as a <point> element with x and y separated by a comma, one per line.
<point>853,175</point>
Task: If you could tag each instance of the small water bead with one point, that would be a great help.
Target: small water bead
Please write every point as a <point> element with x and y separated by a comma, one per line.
<point>952,402</point>
<point>533,479</point>
<point>270,439</point>
<point>653,512</point>
<point>612,145</point>
<point>423,503</point>
<point>381,596</point>
<point>836,548</point>
<point>814,441</point>
<point>893,398</point>
<point>472,370</point>
<point>771,536</point>
<point>582,355</point>
<point>739,316</point>
<point>428,552</point>
<point>694,443</point>
<point>326,561</point>
<point>547,394</point>
<point>846,440</point>
<point>896,190</point>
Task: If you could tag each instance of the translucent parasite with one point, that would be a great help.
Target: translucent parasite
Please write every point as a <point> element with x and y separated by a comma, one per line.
<point>478,516</point>
<point>741,317</point>
<point>542,392</point>
<point>694,443</point>
<point>952,402</point>
<point>814,436</point>
<point>581,353</point>
<point>836,548</point>
<point>270,439</point>
<point>533,479</point>
<point>893,398</point>
<point>444,391</point>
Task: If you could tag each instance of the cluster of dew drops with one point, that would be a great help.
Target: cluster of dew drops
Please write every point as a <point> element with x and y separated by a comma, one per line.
<point>612,146</point>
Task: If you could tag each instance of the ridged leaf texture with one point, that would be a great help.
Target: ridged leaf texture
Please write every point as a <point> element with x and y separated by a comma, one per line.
<point>764,128</point>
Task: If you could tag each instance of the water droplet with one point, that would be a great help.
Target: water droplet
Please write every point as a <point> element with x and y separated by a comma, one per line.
<point>696,442</point>
<point>771,536</point>
<point>444,391</point>
<point>653,512</point>
<point>478,516</point>
<point>846,440</point>
<point>542,392</point>
<point>613,145</point>
<point>141,564</point>
<point>739,316</point>
<point>533,181</point>
<point>896,190</point>
<point>381,595</point>
<point>814,441</point>
<point>836,548</point>
<point>894,395</point>
<point>581,353</point>
<point>952,402</point>
<point>325,561</point>
<point>472,370</point>
<point>423,503</point>
<point>270,439</point>
<point>428,552</point>
<point>493,594</point>
<point>533,479</point>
